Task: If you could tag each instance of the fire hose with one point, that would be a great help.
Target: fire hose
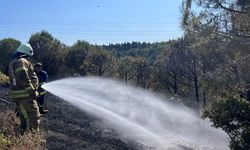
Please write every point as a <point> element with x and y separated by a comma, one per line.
<point>5,101</point>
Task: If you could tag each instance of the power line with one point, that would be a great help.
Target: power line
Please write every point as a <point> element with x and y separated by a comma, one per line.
<point>89,31</point>
<point>81,23</point>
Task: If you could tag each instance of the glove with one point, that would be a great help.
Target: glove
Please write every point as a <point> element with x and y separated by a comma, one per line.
<point>34,94</point>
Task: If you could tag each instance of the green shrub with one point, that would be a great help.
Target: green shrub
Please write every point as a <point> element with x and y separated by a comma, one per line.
<point>232,115</point>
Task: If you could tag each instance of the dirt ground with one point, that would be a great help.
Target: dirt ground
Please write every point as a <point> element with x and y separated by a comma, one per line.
<point>66,127</point>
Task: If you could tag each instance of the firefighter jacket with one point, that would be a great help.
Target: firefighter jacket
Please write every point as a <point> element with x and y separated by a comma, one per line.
<point>23,80</point>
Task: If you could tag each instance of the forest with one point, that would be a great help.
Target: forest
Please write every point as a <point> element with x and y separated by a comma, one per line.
<point>208,68</point>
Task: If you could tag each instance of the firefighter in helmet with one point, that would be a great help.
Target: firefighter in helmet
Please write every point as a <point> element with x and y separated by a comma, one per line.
<point>24,84</point>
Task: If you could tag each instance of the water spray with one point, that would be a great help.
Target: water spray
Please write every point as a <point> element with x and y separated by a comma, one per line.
<point>139,115</point>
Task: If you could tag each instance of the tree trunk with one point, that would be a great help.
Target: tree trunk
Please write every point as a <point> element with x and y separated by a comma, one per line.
<point>196,86</point>
<point>100,71</point>
<point>175,84</point>
<point>126,77</point>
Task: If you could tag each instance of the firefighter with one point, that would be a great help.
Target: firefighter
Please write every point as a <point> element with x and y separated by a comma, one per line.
<point>24,84</point>
<point>43,78</point>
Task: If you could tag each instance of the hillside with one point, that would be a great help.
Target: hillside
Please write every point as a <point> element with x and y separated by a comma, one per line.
<point>197,52</point>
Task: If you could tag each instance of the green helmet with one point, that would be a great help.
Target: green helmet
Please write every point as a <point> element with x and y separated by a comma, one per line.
<point>26,49</point>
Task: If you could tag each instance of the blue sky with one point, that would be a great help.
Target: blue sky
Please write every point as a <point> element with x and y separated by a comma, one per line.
<point>96,21</point>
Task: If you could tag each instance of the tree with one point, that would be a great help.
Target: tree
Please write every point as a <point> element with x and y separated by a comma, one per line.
<point>169,65</point>
<point>126,68</point>
<point>7,47</point>
<point>99,62</point>
<point>232,115</point>
<point>227,16</point>
<point>142,71</point>
<point>180,70</point>
<point>49,51</point>
<point>76,56</point>
<point>221,31</point>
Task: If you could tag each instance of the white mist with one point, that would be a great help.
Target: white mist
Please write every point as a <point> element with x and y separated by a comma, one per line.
<point>139,115</point>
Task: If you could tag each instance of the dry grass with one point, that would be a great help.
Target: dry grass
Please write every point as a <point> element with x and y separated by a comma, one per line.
<point>4,80</point>
<point>10,139</point>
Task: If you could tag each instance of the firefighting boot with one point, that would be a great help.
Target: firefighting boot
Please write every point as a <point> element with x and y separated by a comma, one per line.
<point>42,110</point>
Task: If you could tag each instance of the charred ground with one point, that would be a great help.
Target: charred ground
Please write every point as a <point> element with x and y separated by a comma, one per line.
<point>66,127</point>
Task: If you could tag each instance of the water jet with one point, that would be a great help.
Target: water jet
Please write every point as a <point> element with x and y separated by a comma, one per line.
<point>139,115</point>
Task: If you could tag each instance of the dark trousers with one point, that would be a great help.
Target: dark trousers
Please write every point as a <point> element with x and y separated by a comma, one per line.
<point>41,101</point>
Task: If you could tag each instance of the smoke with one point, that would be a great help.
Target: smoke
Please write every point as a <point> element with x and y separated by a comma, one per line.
<point>138,114</point>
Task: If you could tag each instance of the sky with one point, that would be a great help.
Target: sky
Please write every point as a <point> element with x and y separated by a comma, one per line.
<point>95,21</point>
